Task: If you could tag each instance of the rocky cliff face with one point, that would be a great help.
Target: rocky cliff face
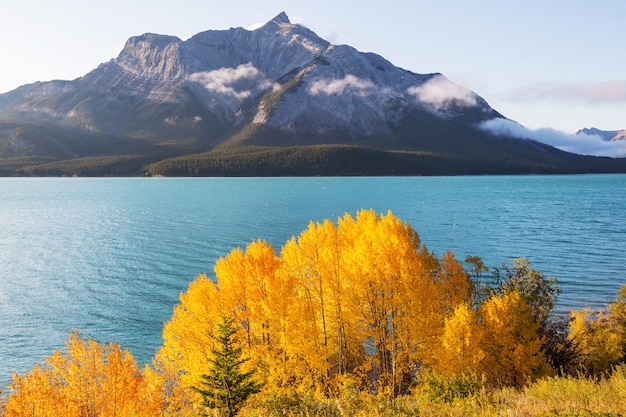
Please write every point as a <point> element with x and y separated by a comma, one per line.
<point>324,88</point>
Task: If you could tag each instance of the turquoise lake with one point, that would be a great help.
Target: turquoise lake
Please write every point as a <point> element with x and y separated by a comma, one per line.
<point>111,256</point>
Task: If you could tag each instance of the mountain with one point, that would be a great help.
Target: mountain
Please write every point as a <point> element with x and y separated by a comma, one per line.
<point>607,135</point>
<point>278,100</point>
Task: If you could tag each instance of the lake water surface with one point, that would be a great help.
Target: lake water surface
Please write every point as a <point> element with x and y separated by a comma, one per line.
<point>111,256</point>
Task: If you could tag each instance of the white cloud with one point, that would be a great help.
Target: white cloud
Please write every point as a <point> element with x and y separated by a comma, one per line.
<point>440,92</point>
<point>580,143</point>
<point>230,81</point>
<point>255,26</point>
<point>338,86</point>
<point>606,92</point>
<point>297,20</point>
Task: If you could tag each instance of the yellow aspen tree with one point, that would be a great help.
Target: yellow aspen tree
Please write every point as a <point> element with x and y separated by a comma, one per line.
<point>79,372</point>
<point>269,298</point>
<point>461,350</point>
<point>368,294</point>
<point>617,319</point>
<point>248,282</point>
<point>390,286</point>
<point>184,356</point>
<point>454,284</point>
<point>261,266</point>
<point>234,284</point>
<point>153,394</point>
<point>601,336</point>
<point>314,260</point>
<point>87,379</point>
<point>599,343</point>
<point>345,287</point>
<point>279,304</point>
<point>347,352</point>
<point>512,343</point>
<point>34,394</point>
<point>306,347</point>
<point>445,285</point>
<point>120,386</point>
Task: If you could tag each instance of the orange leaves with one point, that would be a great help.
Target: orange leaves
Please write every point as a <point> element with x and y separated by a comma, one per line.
<point>187,343</point>
<point>455,285</point>
<point>499,340</point>
<point>601,336</point>
<point>87,379</point>
<point>462,343</point>
<point>353,297</point>
<point>360,300</point>
<point>512,342</point>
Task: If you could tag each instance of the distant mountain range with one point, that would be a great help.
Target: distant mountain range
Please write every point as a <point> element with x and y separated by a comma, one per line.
<point>607,135</point>
<point>278,100</point>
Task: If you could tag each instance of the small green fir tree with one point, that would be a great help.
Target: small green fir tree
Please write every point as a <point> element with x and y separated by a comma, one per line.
<point>226,387</point>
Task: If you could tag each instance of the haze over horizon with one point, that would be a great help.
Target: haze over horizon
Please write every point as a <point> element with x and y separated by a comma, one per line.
<point>553,67</point>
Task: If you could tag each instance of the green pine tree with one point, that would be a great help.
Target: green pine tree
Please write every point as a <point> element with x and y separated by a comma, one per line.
<point>226,387</point>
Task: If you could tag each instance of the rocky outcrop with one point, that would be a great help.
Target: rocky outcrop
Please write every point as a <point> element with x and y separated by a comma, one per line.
<point>326,89</point>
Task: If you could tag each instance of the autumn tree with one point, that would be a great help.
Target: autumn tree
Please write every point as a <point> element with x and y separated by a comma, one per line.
<point>323,340</point>
<point>226,386</point>
<point>87,379</point>
<point>393,291</point>
<point>247,280</point>
<point>361,299</point>
<point>539,293</point>
<point>601,336</point>
<point>512,342</point>
<point>499,340</point>
<point>617,311</point>
<point>187,343</point>
<point>462,343</point>
<point>253,287</point>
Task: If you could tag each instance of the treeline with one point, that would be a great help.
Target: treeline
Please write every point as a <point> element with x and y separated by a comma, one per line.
<point>312,160</point>
<point>97,166</point>
<point>359,308</point>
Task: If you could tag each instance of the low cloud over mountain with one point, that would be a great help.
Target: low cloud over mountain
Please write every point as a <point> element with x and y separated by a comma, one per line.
<point>441,92</point>
<point>580,143</point>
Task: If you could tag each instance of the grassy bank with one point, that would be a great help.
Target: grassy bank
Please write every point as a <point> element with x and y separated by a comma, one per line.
<point>438,397</point>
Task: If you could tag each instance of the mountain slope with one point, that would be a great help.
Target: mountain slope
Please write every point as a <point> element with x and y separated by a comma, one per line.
<point>278,100</point>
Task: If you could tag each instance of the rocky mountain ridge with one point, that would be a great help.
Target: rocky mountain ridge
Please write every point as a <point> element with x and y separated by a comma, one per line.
<point>221,96</point>
<point>228,71</point>
<point>607,135</point>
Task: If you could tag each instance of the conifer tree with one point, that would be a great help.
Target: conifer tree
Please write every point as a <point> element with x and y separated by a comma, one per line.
<point>226,387</point>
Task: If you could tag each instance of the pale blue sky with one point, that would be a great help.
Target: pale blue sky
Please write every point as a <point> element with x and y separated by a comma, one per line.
<point>549,63</point>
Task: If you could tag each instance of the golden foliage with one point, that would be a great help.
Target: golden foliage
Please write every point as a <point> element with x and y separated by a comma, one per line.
<point>601,336</point>
<point>87,379</point>
<point>361,301</point>
<point>462,343</point>
<point>358,304</point>
<point>512,342</point>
